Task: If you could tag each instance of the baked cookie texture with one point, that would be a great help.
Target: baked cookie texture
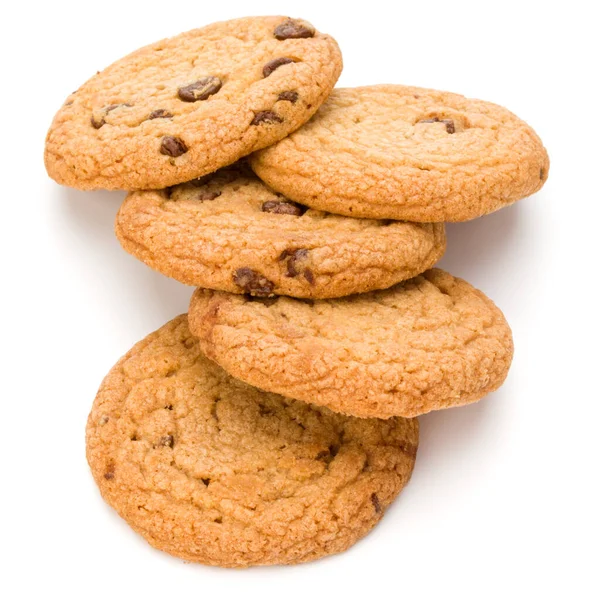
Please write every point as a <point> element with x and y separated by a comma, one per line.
<point>188,105</point>
<point>429,343</point>
<point>212,470</point>
<point>230,232</point>
<point>396,152</point>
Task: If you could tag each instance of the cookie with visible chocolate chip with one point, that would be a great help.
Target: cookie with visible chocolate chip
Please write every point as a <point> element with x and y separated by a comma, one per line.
<point>429,343</point>
<point>214,471</point>
<point>188,105</point>
<point>230,232</point>
<point>395,152</point>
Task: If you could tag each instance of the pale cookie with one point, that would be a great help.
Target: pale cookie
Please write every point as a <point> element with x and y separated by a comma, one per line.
<point>188,105</point>
<point>429,343</point>
<point>395,152</point>
<point>230,232</point>
<point>212,470</point>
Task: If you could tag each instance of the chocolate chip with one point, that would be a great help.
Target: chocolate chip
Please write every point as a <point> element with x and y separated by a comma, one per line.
<point>288,96</point>
<point>110,472</point>
<point>274,64</point>
<point>205,195</point>
<point>266,116</point>
<point>200,90</point>
<point>291,29</point>
<point>294,258</point>
<point>449,125</point>
<point>173,146</point>
<point>98,121</point>
<point>253,282</point>
<point>376,505</point>
<point>308,275</point>
<point>166,440</point>
<point>283,207</point>
<point>205,480</point>
<point>160,113</point>
<point>448,122</point>
<point>542,173</point>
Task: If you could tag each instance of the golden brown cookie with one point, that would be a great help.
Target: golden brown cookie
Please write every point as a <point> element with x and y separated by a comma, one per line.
<point>396,152</point>
<point>230,232</point>
<point>212,470</point>
<point>188,105</point>
<point>429,343</point>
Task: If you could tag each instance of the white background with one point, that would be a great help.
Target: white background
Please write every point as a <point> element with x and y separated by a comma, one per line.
<point>503,502</point>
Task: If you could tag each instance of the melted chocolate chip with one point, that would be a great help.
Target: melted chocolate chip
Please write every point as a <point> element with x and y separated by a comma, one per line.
<point>253,282</point>
<point>266,116</point>
<point>200,90</point>
<point>274,64</point>
<point>448,122</point>
<point>205,195</point>
<point>166,440</point>
<point>290,96</point>
<point>283,207</point>
<point>291,29</point>
<point>173,146</point>
<point>160,113</point>
<point>294,258</point>
<point>376,505</point>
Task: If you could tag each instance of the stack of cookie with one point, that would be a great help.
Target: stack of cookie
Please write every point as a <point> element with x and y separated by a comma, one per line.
<point>313,262</point>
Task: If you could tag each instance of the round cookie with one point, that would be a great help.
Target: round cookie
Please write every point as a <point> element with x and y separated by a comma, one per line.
<point>395,152</point>
<point>188,105</point>
<point>429,343</point>
<point>230,232</point>
<point>212,470</point>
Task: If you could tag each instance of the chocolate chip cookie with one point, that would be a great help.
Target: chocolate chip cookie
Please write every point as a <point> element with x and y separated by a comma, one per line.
<point>429,343</point>
<point>188,105</point>
<point>230,232</point>
<point>212,470</point>
<point>395,152</point>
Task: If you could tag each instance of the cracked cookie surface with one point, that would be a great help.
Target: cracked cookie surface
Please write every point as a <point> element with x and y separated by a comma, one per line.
<point>429,343</point>
<point>188,105</point>
<point>396,152</point>
<point>212,470</point>
<point>230,232</point>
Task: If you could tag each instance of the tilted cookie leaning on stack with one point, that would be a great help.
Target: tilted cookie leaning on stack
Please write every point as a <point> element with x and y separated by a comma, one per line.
<point>337,311</point>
